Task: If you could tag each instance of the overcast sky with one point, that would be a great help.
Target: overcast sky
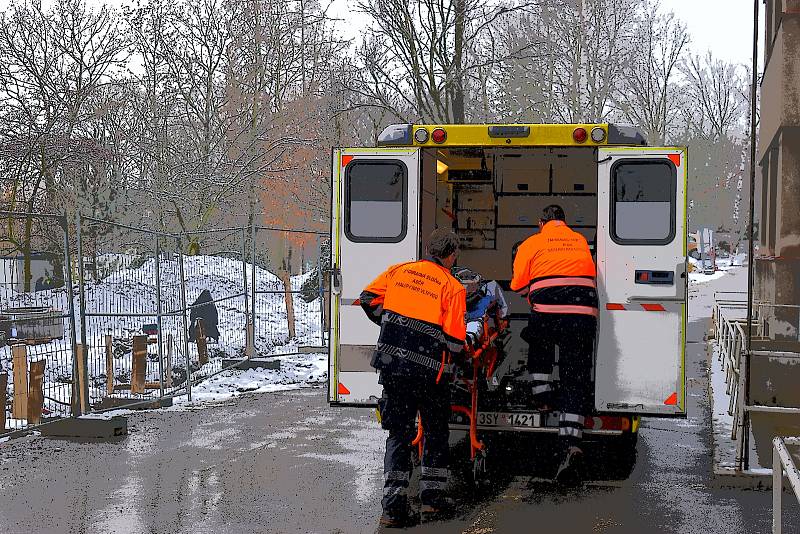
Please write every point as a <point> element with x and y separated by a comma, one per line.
<point>723,26</point>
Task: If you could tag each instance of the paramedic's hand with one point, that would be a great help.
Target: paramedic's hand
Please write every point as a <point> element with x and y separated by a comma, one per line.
<point>471,341</point>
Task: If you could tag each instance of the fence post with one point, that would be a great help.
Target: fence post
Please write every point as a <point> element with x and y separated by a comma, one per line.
<point>159,312</point>
<point>35,393</point>
<point>109,365</point>
<point>249,341</point>
<point>3,393</point>
<point>70,298</point>
<point>139,364</point>
<point>81,363</point>
<point>777,490</point>
<point>81,401</point>
<point>321,293</point>
<point>19,366</point>
<point>200,339</point>
<point>185,323</point>
<point>254,289</point>
<point>168,377</point>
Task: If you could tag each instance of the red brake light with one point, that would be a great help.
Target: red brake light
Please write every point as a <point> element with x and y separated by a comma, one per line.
<point>439,135</point>
<point>580,135</point>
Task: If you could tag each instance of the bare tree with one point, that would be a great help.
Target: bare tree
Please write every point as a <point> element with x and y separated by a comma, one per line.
<point>714,102</point>
<point>54,64</point>
<point>649,96</point>
<point>420,57</point>
<point>570,60</point>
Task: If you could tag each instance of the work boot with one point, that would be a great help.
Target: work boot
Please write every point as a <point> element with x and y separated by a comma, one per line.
<point>441,508</point>
<point>570,472</point>
<point>404,519</point>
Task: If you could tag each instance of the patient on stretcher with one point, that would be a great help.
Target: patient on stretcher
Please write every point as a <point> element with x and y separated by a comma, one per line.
<point>485,301</point>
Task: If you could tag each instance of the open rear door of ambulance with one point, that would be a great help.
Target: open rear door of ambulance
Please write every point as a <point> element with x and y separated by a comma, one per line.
<point>642,281</point>
<point>375,225</point>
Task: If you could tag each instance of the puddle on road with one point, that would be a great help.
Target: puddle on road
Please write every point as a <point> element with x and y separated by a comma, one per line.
<point>212,439</point>
<point>204,493</point>
<point>121,515</point>
<point>363,451</point>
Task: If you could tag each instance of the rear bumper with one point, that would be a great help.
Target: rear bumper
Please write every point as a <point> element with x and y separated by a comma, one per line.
<point>540,430</point>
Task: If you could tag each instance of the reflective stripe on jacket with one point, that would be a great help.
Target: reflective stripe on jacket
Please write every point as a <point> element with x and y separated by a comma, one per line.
<point>555,271</point>
<point>421,308</point>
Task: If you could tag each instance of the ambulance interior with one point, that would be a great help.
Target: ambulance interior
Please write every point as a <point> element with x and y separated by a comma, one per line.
<point>493,197</point>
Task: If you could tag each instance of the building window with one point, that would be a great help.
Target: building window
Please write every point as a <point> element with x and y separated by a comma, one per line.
<point>376,201</point>
<point>643,202</point>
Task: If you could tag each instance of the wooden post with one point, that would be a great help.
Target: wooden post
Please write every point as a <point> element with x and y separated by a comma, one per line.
<point>202,347</point>
<point>139,365</point>
<point>3,388</point>
<point>19,366</point>
<point>109,366</point>
<point>168,363</point>
<point>80,356</point>
<point>250,343</point>
<point>36,392</point>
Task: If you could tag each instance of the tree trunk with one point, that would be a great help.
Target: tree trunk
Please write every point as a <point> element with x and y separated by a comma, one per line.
<point>459,115</point>
<point>26,254</point>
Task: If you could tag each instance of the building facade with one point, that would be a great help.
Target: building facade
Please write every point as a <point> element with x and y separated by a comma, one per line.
<point>777,262</point>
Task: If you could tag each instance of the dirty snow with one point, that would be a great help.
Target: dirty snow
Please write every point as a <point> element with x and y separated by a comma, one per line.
<point>723,266</point>
<point>299,370</point>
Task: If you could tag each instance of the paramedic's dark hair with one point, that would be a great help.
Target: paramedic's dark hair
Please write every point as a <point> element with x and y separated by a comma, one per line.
<point>553,212</point>
<point>442,242</point>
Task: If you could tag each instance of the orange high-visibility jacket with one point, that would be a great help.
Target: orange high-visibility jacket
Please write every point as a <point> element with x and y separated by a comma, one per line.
<point>421,309</point>
<point>549,262</point>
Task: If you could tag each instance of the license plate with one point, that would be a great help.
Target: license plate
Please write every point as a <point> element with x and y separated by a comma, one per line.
<point>509,419</point>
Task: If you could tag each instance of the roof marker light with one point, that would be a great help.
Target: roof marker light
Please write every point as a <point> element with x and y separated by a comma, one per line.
<point>439,135</point>
<point>580,135</point>
<point>598,135</point>
<point>421,135</point>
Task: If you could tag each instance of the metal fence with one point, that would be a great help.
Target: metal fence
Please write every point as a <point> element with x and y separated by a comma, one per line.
<point>127,308</point>
<point>730,329</point>
<point>37,318</point>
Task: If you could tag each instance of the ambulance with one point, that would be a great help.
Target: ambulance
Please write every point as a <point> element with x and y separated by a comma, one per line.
<point>489,183</point>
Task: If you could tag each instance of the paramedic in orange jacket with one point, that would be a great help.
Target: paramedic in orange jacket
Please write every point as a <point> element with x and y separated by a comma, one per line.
<point>554,270</point>
<point>420,308</point>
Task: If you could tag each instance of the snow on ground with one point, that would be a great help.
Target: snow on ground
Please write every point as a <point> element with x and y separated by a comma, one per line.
<point>296,371</point>
<point>722,421</point>
<point>723,265</point>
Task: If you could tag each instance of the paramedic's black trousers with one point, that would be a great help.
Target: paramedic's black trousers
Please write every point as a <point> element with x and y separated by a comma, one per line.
<point>573,393</point>
<point>402,397</point>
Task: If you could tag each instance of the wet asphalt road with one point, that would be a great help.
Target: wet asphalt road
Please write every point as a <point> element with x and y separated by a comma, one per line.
<point>286,462</point>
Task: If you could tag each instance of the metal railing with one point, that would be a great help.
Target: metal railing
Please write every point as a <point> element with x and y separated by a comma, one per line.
<point>731,336</point>
<point>783,463</point>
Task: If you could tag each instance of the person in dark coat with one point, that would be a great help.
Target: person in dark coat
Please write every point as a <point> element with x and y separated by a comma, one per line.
<point>203,308</point>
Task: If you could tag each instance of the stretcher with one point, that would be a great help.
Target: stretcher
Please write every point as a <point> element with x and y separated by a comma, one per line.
<point>479,362</point>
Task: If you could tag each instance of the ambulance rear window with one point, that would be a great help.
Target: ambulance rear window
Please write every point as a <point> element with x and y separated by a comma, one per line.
<point>643,207</point>
<point>375,201</point>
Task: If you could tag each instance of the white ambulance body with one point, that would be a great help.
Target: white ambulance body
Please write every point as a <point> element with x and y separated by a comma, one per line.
<point>489,183</point>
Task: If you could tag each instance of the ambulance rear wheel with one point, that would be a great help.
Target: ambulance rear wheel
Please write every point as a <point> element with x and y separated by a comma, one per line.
<point>617,456</point>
